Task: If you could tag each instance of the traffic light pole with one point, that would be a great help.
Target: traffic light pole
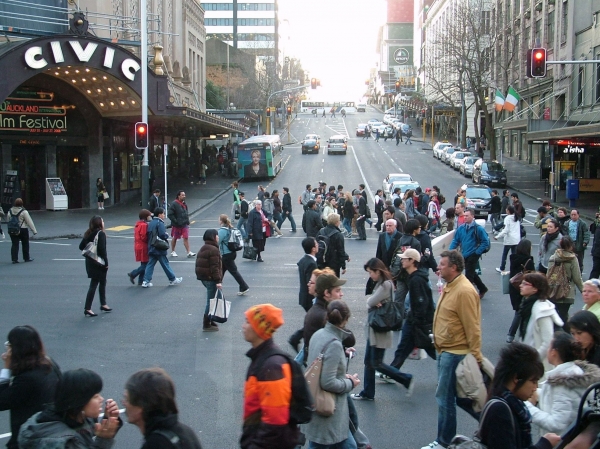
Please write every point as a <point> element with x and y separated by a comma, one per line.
<point>144,69</point>
<point>281,92</point>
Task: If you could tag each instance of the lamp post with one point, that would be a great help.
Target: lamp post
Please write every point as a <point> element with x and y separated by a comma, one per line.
<point>144,70</point>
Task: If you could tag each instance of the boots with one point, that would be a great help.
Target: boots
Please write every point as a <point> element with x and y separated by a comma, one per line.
<point>208,326</point>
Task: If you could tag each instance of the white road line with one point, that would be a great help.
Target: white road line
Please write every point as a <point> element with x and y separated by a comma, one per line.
<point>78,260</point>
<point>49,243</point>
<point>368,188</point>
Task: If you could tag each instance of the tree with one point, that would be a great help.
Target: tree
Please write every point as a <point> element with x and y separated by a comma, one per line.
<point>215,98</point>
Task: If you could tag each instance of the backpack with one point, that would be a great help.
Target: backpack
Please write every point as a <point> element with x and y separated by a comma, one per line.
<point>301,404</point>
<point>323,242</point>
<point>14,227</point>
<point>558,281</point>
<point>236,240</point>
<point>478,239</point>
<point>396,264</point>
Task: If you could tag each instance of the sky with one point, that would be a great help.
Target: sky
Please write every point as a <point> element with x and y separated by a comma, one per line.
<point>336,42</point>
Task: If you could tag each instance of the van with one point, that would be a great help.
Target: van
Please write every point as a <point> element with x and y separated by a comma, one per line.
<point>361,107</point>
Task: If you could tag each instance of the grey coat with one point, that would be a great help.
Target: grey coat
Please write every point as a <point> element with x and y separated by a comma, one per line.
<point>383,292</point>
<point>545,254</point>
<point>330,429</point>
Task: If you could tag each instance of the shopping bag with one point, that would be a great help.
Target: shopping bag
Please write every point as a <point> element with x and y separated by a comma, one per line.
<point>91,252</point>
<point>105,195</point>
<point>505,280</point>
<point>418,354</point>
<point>249,252</point>
<point>219,308</point>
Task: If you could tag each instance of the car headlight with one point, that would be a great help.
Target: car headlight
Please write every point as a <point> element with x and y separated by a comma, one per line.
<point>485,176</point>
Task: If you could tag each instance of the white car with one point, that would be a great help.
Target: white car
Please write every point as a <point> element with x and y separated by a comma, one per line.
<point>404,186</point>
<point>439,147</point>
<point>394,178</point>
<point>378,125</point>
<point>448,151</point>
<point>457,157</point>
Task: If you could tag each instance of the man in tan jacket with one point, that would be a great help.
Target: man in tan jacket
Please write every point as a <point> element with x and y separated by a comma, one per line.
<point>457,332</point>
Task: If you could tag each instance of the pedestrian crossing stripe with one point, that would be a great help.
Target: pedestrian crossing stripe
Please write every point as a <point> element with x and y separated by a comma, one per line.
<point>119,228</point>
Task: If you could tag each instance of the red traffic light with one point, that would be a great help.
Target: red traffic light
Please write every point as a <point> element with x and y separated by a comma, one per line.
<point>268,112</point>
<point>538,55</point>
<point>536,62</point>
<point>141,128</point>
<point>141,135</point>
<point>313,83</point>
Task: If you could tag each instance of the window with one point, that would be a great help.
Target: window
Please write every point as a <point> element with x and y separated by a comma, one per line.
<point>550,30</point>
<point>256,6</point>
<point>217,6</point>
<point>517,7</point>
<point>508,11</point>
<point>580,80</point>
<point>597,80</point>
<point>564,22</point>
<point>218,22</point>
<point>538,31</point>
<point>485,21</point>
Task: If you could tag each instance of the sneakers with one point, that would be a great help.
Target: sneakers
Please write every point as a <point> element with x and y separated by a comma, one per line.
<point>191,254</point>
<point>384,377</point>
<point>176,281</point>
<point>411,387</point>
<point>242,293</point>
<point>278,236</point>
<point>433,445</point>
<point>358,397</point>
<point>499,270</point>
<point>510,338</point>
<point>146,284</point>
<point>173,254</point>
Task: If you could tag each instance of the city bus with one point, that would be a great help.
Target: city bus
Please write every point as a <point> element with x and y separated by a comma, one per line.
<point>310,106</point>
<point>259,157</point>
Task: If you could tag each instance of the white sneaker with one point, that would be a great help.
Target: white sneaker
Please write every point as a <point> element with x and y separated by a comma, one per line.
<point>498,270</point>
<point>278,236</point>
<point>411,387</point>
<point>190,254</point>
<point>175,281</point>
<point>173,254</point>
<point>243,293</point>
<point>432,445</point>
<point>146,284</point>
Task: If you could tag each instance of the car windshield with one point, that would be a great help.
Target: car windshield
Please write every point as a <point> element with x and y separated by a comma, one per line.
<point>493,166</point>
<point>450,150</point>
<point>397,178</point>
<point>470,160</point>
<point>478,193</point>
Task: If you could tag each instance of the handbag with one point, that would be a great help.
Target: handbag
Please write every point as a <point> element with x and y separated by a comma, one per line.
<point>219,308</point>
<point>518,278</point>
<point>105,195</point>
<point>324,400</point>
<point>250,252</point>
<point>91,252</point>
<point>505,281</point>
<point>421,334</point>
<point>463,442</point>
<point>157,243</point>
<point>388,317</point>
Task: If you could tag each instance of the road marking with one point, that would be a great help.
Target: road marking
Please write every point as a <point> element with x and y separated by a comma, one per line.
<point>48,243</point>
<point>363,175</point>
<point>119,228</point>
<point>78,260</point>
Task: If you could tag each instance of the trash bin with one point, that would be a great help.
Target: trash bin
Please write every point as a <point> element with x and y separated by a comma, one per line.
<point>572,191</point>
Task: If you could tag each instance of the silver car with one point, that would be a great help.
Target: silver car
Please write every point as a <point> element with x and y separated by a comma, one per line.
<point>457,158</point>
<point>466,166</point>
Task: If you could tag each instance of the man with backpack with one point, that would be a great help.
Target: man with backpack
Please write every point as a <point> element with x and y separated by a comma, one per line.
<point>19,224</point>
<point>228,247</point>
<point>474,242</point>
<point>267,415</point>
<point>331,252</point>
<point>244,208</point>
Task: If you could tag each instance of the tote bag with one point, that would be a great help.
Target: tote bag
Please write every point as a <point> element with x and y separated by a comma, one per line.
<point>219,308</point>
<point>91,252</point>
<point>324,400</point>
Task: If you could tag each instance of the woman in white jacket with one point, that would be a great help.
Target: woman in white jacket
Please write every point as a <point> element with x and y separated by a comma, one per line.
<point>512,235</point>
<point>554,406</point>
<point>538,315</point>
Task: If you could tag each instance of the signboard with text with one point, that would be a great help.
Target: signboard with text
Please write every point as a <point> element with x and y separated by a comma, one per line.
<point>37,114</point>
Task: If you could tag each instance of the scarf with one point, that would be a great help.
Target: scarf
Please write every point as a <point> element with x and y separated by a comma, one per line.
<point>525,312</point>
<point>549,237</point>
<point>523,421</point>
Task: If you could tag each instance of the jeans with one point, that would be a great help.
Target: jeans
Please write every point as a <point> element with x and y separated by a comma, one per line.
<point>470,267</point>
<point>23,237</point>
<point>359,437</point>
<point>445,396</point>
<point>211,291</point>
<point>289,216</point>
<point>94,283</point>
<point>374,362</point>
<point>406,346</point>
<point>495,219</point>
<point>505,250</point>
<point>228,263</point>
<point>139,271</point>
<point>242,226</point>
<point>347,223</point>
<point>164,263</point>
<point>348,443</point>
<point>360,228</point>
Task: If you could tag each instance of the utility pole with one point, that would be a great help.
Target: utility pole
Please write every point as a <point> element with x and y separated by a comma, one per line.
<point>144,70</point>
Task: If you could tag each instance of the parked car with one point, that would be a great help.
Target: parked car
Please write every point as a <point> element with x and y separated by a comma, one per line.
<point>360,129</point>
<point>448,151</point>
<point>457,158</point>
<point>378,125</point>
<point>478,197</point>
<point>310,146</point>
<point>337,144</point>
<point>439,147</point>
<point>489,172</point>
<point>466,166</point>
<point>392,178</point>
<point>372,121</point>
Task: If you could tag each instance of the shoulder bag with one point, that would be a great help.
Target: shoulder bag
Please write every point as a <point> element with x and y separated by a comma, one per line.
<point>517,278</point>
<point>324,400</point>
<point>157,243</point>
<point>388,317</point>
<point>91,252</point>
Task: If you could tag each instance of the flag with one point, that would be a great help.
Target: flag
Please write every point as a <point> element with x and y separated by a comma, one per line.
<point>499,100</point>
<point>512,98</point>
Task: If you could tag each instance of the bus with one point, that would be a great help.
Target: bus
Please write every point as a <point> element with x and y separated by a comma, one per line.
<point>310,106</point>
<point>259,157</point>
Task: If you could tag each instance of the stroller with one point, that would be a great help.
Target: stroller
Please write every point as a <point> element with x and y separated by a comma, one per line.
<point>586,428</point>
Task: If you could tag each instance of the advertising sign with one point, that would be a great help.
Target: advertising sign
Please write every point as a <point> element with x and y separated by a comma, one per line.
<point>32,114</point>
<point>255,162</point>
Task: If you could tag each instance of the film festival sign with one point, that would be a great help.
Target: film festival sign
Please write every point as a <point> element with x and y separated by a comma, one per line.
<point>32,118</point>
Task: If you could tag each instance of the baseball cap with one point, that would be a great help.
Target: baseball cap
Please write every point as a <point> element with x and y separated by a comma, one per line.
<point>327,282</point>
<point>411,253</point>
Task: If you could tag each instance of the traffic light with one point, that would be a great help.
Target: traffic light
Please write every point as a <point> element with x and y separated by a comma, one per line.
<point>536,63</point>
<point>141,135</point>
<point>289,111</point>
<point>397,87</point>
<point>313,83</point>
<point>268,112</point>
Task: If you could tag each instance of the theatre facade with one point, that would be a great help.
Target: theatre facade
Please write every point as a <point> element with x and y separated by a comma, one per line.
<point>68,105</point>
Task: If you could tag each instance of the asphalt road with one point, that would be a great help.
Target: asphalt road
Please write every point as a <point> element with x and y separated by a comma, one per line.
<point>161,326</point>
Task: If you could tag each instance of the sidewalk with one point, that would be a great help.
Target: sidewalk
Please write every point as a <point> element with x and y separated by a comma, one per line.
<point>524,179</point>
<point>73,223</point>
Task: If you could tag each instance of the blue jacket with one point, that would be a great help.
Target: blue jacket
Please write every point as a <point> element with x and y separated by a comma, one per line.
<point>162,233</point>
<point>465,238</point>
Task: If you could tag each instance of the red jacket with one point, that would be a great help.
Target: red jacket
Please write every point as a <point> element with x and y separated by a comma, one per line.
<point>140,245</point>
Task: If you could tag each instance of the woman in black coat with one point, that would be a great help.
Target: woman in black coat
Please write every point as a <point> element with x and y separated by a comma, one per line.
<point>258,229</point>
<point>522,260</point>
<point>96,271</point>
<point>28,380</point>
